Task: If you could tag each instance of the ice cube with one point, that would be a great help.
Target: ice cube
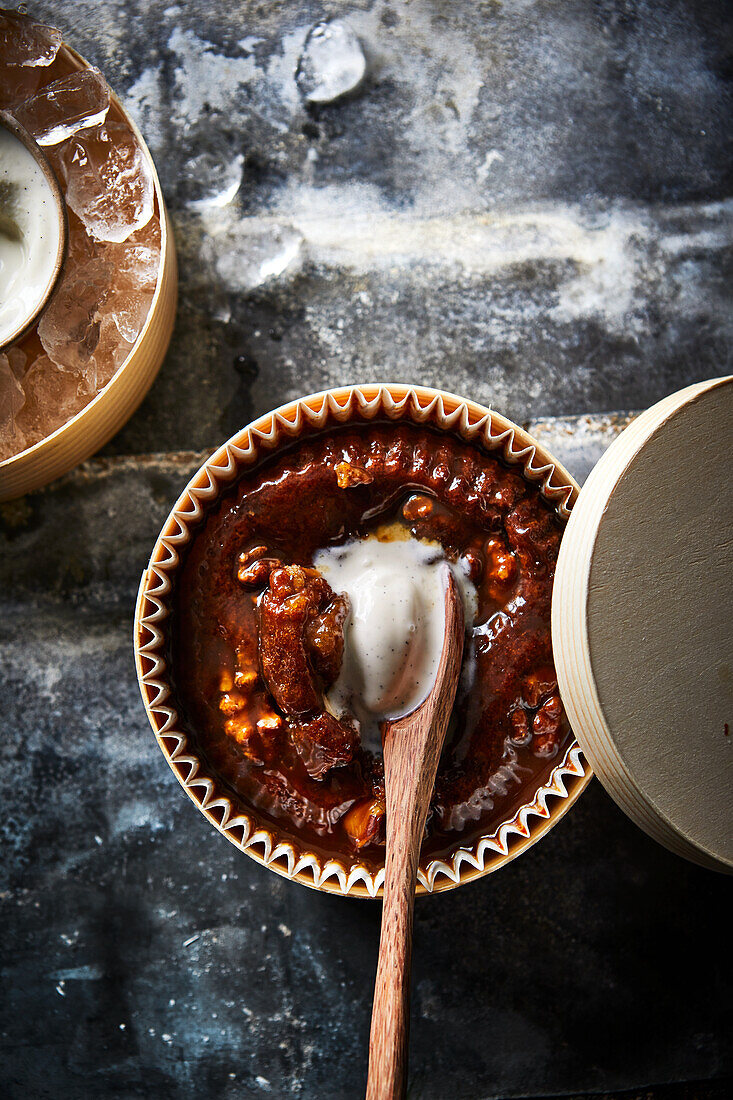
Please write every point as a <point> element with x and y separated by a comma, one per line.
<point>69,328</point>
<point>149,235</point>
<point>332,62</point>
<point>245,258</point>
<point>53,396</point>
<point>26,49</point>
<point>65,106</point>
<point>18,362</point>
<point>23,42</point>
<point>12,400</point>
<point>17,82</point>
<point>109,184</point>
<point>212,181</point>
<point>112,350</point>
<point>81,246</point>
<point>129,299</point>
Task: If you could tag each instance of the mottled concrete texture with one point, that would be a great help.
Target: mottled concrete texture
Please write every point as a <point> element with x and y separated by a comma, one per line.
<point>529,203</point>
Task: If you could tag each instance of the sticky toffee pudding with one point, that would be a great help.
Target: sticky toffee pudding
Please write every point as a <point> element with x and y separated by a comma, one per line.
<point>269,634</point>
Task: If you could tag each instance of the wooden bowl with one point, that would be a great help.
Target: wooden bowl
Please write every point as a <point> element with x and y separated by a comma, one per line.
<point>279,850</point>
<point>641,613</point>
<point>98,421</point>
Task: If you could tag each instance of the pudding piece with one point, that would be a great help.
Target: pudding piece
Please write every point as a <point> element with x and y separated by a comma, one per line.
<point>300,647</point>
<point>283,673</point>
<point>300,637</point>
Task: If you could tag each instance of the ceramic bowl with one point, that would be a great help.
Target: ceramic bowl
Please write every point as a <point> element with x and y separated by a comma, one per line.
<point>277,848</point>
<point>98,421</point>
<point>26,321</point>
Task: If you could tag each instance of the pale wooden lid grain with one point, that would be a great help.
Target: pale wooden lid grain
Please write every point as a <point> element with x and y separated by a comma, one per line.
<point>641,622</point>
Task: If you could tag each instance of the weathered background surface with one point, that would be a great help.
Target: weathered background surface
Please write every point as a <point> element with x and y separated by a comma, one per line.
<point>529,203</point>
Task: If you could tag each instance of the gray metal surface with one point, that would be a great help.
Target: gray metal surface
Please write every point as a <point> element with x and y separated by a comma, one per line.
<point>528,203</point>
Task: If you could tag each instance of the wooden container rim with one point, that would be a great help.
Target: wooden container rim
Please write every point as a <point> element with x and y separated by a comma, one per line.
<point>570,637</point>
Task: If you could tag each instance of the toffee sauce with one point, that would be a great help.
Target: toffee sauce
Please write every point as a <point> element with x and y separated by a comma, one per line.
<point>508,727</point>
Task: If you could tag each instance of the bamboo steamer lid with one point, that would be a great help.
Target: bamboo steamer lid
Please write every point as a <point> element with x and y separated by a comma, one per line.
<point>641,616</point>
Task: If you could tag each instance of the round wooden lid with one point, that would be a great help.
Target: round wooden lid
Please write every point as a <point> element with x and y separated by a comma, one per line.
<point>641,617</point>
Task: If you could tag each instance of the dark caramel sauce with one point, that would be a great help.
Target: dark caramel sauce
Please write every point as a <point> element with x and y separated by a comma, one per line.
<point>507,729</point>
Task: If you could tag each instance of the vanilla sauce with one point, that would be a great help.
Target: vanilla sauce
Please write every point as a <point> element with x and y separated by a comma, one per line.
<point>29,234</point>
<point>393,635</point>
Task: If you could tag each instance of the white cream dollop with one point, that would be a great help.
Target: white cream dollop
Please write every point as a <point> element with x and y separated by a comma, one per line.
<point>393,636</point>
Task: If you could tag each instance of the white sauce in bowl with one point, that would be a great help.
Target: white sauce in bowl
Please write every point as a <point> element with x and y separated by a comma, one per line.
<point>30,234</point>
<point>393,636</point>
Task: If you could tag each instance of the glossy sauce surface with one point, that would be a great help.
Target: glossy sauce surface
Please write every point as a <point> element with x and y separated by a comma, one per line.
<point>258,714</point>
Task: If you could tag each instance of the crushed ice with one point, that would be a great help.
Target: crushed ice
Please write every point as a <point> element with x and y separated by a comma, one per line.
<point>108,283</point>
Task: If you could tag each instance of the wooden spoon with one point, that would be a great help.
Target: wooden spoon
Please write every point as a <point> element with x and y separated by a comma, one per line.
<point>411,747</point>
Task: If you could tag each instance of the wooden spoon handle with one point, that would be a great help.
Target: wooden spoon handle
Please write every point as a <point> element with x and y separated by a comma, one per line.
<point>390,1029</point>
